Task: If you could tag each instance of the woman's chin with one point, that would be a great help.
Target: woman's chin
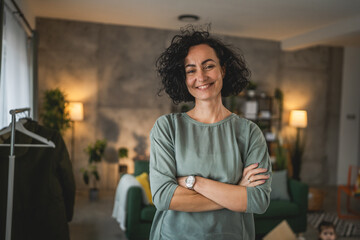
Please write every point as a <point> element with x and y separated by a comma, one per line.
<point>208,97</point>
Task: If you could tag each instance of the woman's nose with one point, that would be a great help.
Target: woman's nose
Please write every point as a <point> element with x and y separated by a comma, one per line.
<point>200,75</point>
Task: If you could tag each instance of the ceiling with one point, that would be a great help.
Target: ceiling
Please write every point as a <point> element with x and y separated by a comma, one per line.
<point>296,23</point>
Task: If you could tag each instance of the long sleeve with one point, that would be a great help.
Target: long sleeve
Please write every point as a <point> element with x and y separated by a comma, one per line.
<point>182,146</point>
<point>162,164</point>
<point>66,180</point>
<point>258,198</point>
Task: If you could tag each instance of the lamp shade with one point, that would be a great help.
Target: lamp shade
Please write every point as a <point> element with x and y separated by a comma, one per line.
<point>298,118</point>
<point>76,111</point>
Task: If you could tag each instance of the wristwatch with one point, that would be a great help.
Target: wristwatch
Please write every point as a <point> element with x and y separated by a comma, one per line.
<point>190,182</point>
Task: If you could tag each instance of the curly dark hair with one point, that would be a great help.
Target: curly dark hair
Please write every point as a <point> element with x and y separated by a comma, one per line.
<point>171,69</point>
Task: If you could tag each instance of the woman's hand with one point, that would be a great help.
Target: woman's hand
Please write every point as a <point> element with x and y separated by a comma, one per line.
<point>250,177</point>
<point>181,181</point>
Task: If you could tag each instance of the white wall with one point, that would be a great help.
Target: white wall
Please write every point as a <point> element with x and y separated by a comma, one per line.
<point>349,142</point>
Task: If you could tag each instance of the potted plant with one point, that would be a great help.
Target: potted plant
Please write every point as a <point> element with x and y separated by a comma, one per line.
<point>123,153</point>
<point>281,156</point>
<point>90,173</point>
<point>250,89</point>
<point>54,114</point>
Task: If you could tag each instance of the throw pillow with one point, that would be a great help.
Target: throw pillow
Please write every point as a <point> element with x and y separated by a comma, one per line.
<point>279,186</point>
<point>144,181</point>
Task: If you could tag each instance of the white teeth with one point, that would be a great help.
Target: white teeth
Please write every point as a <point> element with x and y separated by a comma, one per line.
<point>204,86</point>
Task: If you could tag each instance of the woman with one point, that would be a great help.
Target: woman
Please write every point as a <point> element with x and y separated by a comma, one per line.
<point>209,168</point>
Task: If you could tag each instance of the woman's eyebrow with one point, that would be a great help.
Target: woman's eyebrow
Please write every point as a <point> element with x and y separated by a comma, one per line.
<point>205,61</point>
<point>190,65</point>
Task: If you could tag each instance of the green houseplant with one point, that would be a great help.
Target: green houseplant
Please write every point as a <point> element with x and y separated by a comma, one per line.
<point>90,173</point>
<point>250,89</point>
<point>122,153</point>
<point>251,86</point>
<point>54,114</point>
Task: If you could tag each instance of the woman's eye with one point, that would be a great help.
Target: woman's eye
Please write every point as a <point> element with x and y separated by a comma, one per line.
<point>190,71</point>
<point>208,67</point>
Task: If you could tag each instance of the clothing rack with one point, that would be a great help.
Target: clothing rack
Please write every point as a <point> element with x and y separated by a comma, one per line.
<point>9,207</point>
<point>12,170</point>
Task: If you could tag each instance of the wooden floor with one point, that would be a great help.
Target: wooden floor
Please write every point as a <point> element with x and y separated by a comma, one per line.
<point>93,220</point>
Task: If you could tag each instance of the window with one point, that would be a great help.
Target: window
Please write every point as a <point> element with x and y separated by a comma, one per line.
<point>15,80</point>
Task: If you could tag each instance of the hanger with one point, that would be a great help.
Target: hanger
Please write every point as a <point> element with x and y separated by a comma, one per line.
<point>20,127</point>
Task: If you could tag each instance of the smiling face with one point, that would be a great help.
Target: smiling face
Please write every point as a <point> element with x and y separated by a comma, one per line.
<point>204,74</point>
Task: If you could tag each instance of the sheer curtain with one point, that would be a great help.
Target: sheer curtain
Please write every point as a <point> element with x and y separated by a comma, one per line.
<point>15,81</point>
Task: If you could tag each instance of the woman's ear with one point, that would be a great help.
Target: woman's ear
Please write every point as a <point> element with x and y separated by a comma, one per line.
<point>223,71</point>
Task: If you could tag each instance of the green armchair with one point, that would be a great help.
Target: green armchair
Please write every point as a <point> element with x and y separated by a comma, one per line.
<point>138,215</point>
<point>293,211</point>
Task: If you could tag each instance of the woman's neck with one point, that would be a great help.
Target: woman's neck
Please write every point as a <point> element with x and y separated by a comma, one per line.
<point>209,112</point>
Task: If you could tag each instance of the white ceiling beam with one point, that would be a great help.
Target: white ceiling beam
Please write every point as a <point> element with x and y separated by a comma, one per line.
<point>322,35</point>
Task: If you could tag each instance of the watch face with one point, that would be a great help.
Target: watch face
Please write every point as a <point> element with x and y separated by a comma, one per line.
<point>190,180</point>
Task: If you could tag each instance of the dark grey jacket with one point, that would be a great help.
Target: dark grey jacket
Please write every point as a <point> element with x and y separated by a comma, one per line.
<point>44,188</point>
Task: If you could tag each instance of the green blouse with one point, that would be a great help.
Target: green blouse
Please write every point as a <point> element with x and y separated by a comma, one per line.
<point>182,146</point>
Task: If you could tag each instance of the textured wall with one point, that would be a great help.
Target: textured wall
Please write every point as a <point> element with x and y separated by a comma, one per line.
<point>310,79</point>
<point>111,69</point>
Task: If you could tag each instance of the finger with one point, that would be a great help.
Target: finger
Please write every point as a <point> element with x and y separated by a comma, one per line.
<point>254,178</point>
<point>244,182</point>
<point>256,183</point>
<point>250,167</point>
<point>257,171</point>
<point>259,177</point>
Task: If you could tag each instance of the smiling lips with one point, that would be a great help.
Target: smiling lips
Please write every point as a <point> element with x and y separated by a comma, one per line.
<point>205,86</point>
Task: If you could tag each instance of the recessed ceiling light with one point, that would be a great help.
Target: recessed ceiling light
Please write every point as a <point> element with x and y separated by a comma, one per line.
<point>188,18</point>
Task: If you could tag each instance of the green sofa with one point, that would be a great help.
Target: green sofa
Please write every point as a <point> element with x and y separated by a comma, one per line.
<point>138,215</point>
<point>293,211</point>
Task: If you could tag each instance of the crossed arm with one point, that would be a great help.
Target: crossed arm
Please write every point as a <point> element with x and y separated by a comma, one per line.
<point>210,195</point>
<point>170,192</point>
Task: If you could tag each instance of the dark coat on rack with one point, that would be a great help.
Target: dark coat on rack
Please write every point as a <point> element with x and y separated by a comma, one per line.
<point>44,188</point>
